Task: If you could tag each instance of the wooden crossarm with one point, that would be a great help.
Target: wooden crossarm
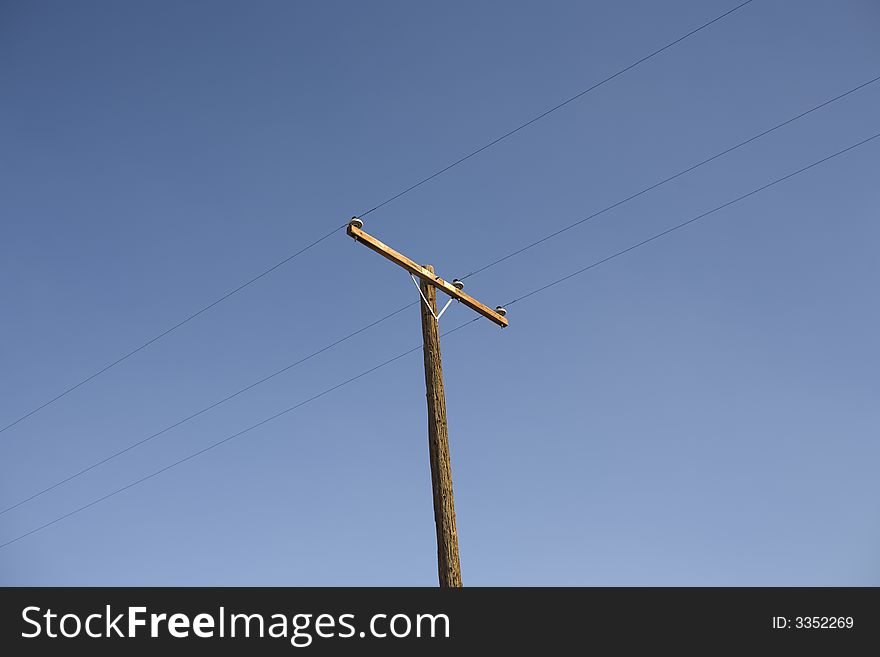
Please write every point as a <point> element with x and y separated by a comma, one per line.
<point>429,277</point>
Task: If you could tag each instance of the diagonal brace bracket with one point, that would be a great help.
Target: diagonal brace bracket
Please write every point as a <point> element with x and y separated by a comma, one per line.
<point>427,305</point>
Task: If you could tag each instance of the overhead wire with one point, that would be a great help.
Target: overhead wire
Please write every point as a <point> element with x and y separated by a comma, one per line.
<point>674,176</point>
<point>226,440</point>
<point>396,196</point>
<point>203,410</point>
<point>167,331</point>
<point>406,353</point>
<point>559,106</point>
<point>399,310</point>
<point>692,220</point>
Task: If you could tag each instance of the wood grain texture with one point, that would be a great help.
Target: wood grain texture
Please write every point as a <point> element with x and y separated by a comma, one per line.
<point>448,564</point>
<point>425,274</point>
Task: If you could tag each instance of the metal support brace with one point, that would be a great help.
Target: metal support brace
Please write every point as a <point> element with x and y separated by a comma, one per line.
<point>427,305</point>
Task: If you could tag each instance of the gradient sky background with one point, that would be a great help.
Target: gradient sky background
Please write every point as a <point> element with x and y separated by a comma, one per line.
<point>701,411</point>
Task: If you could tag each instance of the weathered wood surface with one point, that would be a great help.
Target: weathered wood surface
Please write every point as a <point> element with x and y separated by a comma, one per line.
<point>448,564</point>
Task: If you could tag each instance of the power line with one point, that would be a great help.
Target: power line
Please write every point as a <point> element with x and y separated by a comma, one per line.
<point>552,109</point>
<point>477,271</point>
<point>669,178</point>
<point>169,330</point>
<point>204,410</point>
<point>726,151</point>
<point>225,440</point>
<point>692,220</point>
<point>256,278</point>
<point>406,353</point>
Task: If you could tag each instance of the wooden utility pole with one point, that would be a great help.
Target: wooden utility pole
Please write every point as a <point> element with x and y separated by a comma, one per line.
<point>448,564</point>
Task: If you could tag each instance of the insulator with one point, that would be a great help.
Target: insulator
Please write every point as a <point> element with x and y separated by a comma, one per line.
<point>501,311</point>
<point>357,222</point>
<point>457,284</point>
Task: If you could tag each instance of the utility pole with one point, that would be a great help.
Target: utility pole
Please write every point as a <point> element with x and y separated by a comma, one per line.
<point>448,564</point>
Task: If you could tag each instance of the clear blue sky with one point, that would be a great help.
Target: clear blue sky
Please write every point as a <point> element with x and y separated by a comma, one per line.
<point>703,410</point>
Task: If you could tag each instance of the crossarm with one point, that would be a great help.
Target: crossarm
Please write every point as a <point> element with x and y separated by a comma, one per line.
<point>413,268</point>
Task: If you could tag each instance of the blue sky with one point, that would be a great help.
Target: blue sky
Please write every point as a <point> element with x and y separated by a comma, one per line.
<point>701,411</point>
